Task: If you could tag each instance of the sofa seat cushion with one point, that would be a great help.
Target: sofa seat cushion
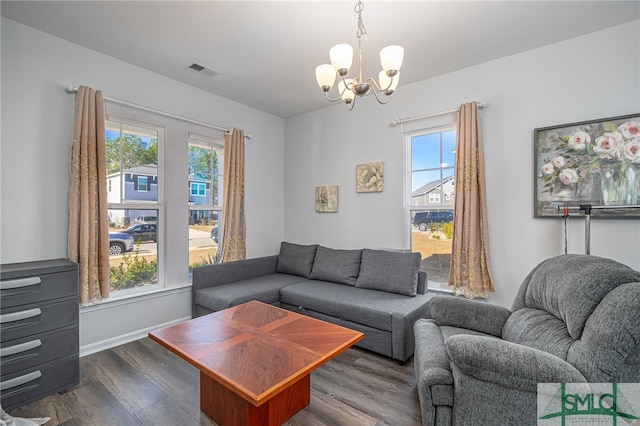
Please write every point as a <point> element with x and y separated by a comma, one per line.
<point>264,289</point>
<point>368,307</point>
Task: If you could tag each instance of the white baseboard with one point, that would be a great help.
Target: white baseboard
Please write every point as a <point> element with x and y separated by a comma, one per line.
<point>125,338</point>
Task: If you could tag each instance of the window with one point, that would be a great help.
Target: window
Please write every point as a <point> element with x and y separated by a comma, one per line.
<point>206,161</point>
<point>198,189</point>
<point>133,151</point>
<point>142,183</point>
<point>430,194</point>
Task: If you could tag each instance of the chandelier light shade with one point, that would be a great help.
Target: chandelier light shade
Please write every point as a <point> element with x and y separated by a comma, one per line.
<point>341,56</point>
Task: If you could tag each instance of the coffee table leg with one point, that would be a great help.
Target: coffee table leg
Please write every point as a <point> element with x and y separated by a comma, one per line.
<point>225,407</point>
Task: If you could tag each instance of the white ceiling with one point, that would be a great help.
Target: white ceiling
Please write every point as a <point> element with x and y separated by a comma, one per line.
<point>266,51</point>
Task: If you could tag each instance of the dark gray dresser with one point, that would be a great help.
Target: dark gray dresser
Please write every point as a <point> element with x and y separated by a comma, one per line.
<point>39,330</point>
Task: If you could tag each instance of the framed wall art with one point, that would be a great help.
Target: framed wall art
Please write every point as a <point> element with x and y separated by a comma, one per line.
<point>369,177</point>
<point>326,199</point>
<point>588,163</point>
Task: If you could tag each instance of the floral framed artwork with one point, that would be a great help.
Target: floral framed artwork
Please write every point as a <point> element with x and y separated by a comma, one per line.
<point>326,199</point>
<point>588,163</point>
<point>369,177</point>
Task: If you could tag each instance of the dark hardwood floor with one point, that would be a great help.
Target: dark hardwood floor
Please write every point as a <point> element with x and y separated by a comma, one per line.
<point>141,383</point>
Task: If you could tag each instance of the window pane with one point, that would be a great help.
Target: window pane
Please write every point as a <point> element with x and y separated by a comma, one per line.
<point>206,160</point>
<point>448,148</point>
<point>203,237</point>
<point>422,183</point>
<point>431,236</point>
<point>133,248</point>
<point>433,190</point>
<point>425,151</point>
<point>132,163</point>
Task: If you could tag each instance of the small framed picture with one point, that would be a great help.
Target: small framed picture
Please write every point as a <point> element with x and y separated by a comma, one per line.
<point>327,199</point>
<point>369,177</point>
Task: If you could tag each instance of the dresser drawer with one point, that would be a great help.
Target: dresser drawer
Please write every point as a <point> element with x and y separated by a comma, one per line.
<point>25,386</point>
<point>20,354</point>
<point>37,288</point>
<point>27,320</point>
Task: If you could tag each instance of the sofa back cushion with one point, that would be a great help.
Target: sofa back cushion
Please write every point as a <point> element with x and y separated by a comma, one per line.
<point>395,272</point>
<point>296,259</point>
<point>609,350</point>
<point>571,286</point>
<point>568,306</point>
<point>338,266</point>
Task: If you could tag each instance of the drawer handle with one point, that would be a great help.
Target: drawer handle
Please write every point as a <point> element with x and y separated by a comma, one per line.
<point>21,282</point>
<point>22,347</point>
<point>19,316</point>
<point>19,381</point>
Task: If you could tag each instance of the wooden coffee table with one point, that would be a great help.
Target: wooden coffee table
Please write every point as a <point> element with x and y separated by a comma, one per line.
<point>255,360</point>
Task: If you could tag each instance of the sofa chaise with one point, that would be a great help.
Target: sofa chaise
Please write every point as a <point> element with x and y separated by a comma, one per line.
<point>380,293</point>
<point>575,319</point>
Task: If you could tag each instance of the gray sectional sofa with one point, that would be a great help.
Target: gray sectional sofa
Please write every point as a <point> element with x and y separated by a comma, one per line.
<point>380,293</point>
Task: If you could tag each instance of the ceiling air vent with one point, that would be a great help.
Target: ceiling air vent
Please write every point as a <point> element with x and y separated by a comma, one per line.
<point>202,70</point>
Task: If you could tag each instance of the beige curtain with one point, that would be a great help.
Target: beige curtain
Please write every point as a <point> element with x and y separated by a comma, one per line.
<point>470,273</point>
<point>234,230</point>
<point>88,238</point>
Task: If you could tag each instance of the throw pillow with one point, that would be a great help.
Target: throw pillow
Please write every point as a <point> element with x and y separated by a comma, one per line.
<point>296,259</point>
<point>339,266</point>
<point>394,272</point>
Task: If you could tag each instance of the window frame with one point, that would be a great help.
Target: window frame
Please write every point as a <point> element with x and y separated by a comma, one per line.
<point>158,206</point>
<point>409,209</point>
<point>215,144</point>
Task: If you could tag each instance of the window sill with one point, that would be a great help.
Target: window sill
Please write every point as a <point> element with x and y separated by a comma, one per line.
<point>439,287</point>
<point>133,297</point>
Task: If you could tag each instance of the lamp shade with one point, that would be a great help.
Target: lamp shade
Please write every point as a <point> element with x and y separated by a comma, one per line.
<point>385,80</point>
<point>341,56</point>
<point>346,93</point>
<point>325,75</point>
<point>391,57</point>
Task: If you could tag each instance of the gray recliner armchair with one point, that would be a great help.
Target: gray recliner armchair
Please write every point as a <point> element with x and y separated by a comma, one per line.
<point>575,319</point>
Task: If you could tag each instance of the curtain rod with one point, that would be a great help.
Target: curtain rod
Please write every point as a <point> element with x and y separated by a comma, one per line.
<point>397,121</point>
<point>74,89</point>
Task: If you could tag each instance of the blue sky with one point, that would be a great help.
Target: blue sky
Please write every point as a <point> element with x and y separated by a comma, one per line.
<point>430,152</point>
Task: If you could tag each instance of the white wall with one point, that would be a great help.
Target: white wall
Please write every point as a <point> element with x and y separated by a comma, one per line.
<point>37,121</point>
<point>590,77</point>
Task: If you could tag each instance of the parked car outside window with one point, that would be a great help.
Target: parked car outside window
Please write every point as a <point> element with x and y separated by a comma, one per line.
<point>119,242</point>
<point>423,219</point>
<point>214,233</point>
<point>144,232</point>
<point>145,219</point>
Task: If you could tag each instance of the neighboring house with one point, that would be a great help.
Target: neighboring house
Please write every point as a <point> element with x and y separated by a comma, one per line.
<point>200,190</point>
<point>437,192</point>
<point>203,192</point>
<point>135,185</point>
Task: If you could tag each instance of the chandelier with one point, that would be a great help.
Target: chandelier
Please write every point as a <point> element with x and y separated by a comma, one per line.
<point>341,56</point>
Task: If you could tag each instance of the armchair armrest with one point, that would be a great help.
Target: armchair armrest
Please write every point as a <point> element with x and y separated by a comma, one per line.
<point>472,315</point>
<point>508,364</point>
<point>223,273</point>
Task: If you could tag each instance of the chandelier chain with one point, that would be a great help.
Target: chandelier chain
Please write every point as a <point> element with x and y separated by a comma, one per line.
<point>362,31</point>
